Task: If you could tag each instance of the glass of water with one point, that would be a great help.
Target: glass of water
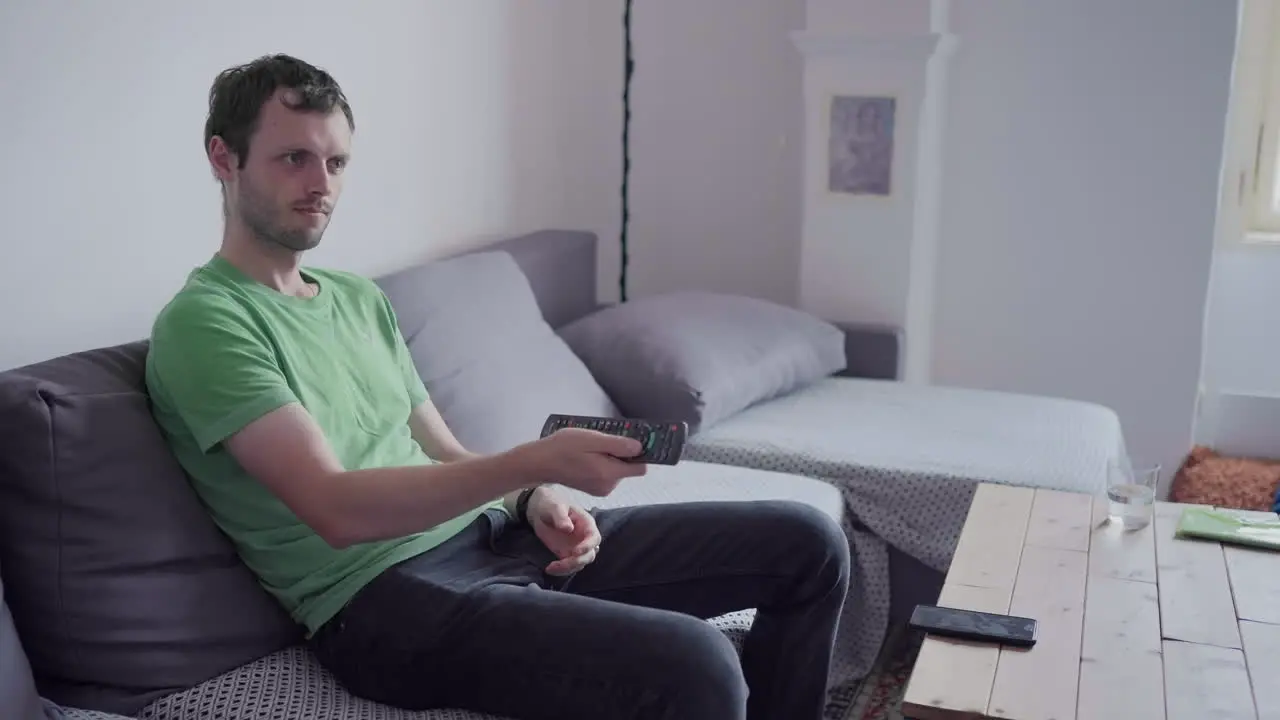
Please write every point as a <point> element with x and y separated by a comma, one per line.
<point>1131,494</point>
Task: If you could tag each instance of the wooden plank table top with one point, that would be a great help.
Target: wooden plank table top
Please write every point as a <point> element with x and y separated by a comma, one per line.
<point>1137,625</point>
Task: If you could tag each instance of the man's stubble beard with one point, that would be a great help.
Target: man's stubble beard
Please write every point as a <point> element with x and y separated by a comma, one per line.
<point>258,214</point>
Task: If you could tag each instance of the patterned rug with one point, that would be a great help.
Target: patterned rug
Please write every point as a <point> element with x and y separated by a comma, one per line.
<point>879,695</point>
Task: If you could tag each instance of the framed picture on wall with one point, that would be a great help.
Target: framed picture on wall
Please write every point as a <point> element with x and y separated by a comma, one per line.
<point>860,145</point>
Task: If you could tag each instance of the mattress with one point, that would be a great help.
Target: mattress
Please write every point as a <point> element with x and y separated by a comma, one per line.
<point>967,434</point>
<point>906,460</point>
<point>711,482</point>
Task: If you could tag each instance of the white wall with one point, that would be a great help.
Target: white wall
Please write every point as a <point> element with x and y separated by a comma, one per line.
<point>1240,381</point>
<point>715,183</point>
<point>1242,341</point>
<point>867,17</point>
<point>1083,145</point>
<point>1240,406</point>
<point>474,119</point>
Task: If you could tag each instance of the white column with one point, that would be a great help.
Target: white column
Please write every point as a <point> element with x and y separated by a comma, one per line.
<point>871,188</point>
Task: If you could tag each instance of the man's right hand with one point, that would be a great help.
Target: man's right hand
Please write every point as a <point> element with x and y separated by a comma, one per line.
<point>586,460</point>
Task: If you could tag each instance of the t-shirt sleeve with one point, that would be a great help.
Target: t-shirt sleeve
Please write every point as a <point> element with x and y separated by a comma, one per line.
<point>214,369</point>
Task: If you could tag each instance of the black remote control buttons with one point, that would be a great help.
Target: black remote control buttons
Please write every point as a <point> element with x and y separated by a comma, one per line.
<point>662,443</point>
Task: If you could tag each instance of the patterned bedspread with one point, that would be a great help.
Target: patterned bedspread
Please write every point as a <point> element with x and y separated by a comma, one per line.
<point>907,460</point>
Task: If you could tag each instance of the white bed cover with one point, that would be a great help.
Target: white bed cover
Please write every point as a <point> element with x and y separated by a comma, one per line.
<point>907,459</point>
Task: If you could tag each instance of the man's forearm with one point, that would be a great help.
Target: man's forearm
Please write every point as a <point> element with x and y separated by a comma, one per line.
<point>452,451</point>
<point>382,503</point>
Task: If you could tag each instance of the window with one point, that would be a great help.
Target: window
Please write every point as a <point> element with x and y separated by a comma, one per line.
<point>1255,120</point>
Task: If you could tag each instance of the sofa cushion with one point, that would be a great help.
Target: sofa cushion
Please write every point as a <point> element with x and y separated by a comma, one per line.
<point>700,357</point>
<point>18,696</point>
<point>121,586</point>
<point>493,366</point>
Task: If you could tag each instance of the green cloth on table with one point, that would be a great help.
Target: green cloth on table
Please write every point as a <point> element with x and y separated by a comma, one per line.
<point>1230,527</point>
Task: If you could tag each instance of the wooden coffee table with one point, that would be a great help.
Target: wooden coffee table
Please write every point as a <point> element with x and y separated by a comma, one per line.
<point>1132,626</point>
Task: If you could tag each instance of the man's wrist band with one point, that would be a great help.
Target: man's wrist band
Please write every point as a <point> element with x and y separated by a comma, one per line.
<point>522,504</point>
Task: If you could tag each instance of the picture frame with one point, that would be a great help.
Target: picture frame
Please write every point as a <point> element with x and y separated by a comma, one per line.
<point>860,144</point>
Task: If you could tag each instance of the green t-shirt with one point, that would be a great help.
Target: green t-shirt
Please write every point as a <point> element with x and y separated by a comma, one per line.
<point>227,350</point>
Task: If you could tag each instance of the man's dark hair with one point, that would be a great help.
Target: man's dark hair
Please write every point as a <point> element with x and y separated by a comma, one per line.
<point>238,94</point>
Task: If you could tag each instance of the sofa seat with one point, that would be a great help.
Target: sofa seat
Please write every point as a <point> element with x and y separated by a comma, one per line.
<point>292,685</point>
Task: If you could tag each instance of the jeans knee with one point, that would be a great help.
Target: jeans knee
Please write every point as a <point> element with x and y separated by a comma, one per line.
<point>703,674</point>
<point>819,538</point>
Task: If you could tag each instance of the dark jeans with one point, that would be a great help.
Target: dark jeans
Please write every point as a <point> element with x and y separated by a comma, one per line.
<point>477,624</point>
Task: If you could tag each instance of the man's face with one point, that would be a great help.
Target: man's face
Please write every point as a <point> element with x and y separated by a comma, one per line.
<point>292,178</point>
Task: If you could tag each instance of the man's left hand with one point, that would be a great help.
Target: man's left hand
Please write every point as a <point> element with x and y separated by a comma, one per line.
<point>567,530</point>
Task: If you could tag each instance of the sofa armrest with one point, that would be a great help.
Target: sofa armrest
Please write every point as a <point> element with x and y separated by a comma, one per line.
<point>872,351</point>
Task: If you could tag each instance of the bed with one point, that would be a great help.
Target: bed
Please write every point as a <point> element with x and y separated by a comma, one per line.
<point>905,459</point>
<point>911,455</point>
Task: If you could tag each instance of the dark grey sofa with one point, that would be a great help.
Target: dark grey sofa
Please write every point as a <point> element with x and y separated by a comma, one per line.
<point>126,598</point>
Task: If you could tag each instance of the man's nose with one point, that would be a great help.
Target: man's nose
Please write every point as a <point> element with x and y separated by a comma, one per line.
<point>319,180</point>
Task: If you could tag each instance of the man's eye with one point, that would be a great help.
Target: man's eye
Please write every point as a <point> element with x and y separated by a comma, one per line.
<point>293,158</point>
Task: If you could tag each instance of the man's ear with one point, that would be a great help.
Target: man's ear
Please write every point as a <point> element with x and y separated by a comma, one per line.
<point>221,159</point>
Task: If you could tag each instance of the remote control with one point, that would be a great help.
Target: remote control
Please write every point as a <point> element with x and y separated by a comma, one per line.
<point>663,442</point>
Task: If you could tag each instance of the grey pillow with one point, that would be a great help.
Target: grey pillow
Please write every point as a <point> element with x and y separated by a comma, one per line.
<point>701,357</point>
<point>18,697</point>
<point>493,366</point>
<point>121,586</point>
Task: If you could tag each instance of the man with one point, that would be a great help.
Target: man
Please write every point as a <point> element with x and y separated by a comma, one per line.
<point>426,575</point>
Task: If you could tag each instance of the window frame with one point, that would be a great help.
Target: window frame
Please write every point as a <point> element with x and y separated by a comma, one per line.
<point>1249,211</point>
<point>1261,57</point>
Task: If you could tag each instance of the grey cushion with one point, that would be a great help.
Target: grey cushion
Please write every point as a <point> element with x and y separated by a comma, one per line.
<point>18,696</point>
<point>701,357</point>
<point>121,586</point>
<point>493,366</point>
